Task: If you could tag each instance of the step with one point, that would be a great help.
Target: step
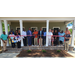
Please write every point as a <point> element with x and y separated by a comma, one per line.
<point>38,48</point>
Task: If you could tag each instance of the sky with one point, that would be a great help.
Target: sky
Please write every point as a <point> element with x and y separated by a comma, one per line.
<point>70,26</point>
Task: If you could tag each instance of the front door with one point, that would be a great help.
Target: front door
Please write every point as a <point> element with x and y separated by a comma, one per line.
<point>56,29</point>
<point>33,28</point>
<point>44,28</point>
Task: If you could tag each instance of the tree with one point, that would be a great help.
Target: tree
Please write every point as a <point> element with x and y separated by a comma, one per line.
<point>3,27</point>
<point>70,30</point>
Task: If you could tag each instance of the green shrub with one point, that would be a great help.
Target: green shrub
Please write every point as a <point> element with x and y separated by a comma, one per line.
<point>58,50</point>
<point>44,51</point>
<point>28,51</point>
<point>70,30</point>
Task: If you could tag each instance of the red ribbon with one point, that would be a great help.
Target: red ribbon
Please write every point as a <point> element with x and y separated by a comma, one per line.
<point>38,35</point>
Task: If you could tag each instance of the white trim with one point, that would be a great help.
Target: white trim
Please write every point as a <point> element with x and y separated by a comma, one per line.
<point>37,18</point>
<point>19,27</point>
<point>34,27</point>
<point>43,27</point>
<point>56,27</point>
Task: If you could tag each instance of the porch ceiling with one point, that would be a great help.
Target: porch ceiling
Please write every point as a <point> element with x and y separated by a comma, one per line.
<point>42,21</point>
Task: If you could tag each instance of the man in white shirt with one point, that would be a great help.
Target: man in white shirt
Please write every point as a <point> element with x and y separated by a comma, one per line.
<point>49,37</point>
<point>24,34</point>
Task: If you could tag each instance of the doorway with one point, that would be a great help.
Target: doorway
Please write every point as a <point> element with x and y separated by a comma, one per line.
<point>56,28</point>
<point>33,28</point>
<point>44,28</point>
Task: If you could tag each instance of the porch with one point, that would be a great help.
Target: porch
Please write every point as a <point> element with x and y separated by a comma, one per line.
<point>36,23</point>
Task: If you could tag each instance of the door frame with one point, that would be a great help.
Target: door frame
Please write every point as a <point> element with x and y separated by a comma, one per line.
<point>19,27</point>
<point>56,27</point>
<point>43,27</point>
<point>34,27</point>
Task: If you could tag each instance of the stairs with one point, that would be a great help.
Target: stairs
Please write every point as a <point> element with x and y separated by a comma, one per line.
<point>46,48</point>
<point>17,50</point>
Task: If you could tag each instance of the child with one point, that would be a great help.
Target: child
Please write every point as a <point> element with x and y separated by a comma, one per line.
<point>18,41</point>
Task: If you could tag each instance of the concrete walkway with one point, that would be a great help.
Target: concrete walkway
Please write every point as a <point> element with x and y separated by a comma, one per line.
<point>8,55</point>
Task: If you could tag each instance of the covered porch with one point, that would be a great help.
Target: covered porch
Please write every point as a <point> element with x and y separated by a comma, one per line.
<point>37,23</point>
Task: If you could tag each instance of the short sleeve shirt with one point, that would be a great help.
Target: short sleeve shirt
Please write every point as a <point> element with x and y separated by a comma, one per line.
<point>50,34</point>
<point>35,34</point>
<point>4,37</point>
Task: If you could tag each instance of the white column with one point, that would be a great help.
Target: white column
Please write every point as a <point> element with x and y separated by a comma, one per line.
<point>1,32</point>
<point>21,29</point>
<point>47,29</point>
<point>6,30</point>
<point>73,34</point>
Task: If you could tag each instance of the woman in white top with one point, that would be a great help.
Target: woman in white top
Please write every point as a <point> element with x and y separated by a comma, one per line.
<point>49,37</point>
<point>12,37</point>
<point>24,34</point>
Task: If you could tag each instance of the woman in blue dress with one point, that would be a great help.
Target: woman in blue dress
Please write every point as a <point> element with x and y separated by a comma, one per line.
<point>61,37</point>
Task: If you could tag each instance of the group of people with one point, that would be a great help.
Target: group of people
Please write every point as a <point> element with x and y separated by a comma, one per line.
<point>37,38</point>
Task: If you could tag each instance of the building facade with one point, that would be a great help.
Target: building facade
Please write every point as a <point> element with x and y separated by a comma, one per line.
<point>47,23</point>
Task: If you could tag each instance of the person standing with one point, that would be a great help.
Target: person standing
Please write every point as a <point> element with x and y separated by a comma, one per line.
<point>40,34</point>
<point>55,38</point>
<point>29,36</point>
<point>59,32</point>
<point>61,37</point>
<point>67,31</point>
<point>11,31</point>
<point>12,38</point>
<point>4,38</point>
<point>35,37</point>
<point>52,39</point>
<point>18,32</point>
<point>24,34</point>
<point>58,36</point>
<point>44,37</point>
<point>49,37</point>
<point>67,37</point>
<point>18,38</point>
